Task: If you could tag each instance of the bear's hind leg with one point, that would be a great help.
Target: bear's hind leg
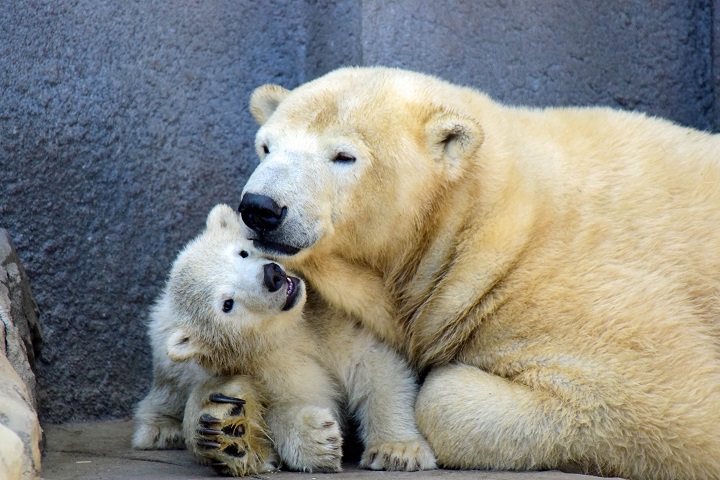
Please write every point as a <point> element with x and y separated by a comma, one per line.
<point>155,427</point>
<point>224,427</point>
<point>158,417</point>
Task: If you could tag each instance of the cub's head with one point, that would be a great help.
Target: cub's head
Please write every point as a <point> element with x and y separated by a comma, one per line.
<point>355,160</point>
<point>222,297</point>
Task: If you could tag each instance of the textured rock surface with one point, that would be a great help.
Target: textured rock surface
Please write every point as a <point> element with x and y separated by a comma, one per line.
<point>20,433</point>
<point>122,123</point>
<point>19,314</point>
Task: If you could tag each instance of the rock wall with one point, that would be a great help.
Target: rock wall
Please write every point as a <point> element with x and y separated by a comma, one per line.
<point>123,123</point>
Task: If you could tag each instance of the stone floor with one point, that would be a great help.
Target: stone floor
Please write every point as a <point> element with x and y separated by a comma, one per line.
<point>101,451</point>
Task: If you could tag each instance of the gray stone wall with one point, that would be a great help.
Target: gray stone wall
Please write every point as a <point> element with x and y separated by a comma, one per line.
<point>122,123</point>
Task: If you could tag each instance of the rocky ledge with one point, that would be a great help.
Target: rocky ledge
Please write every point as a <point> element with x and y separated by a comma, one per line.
<point>20,339</point>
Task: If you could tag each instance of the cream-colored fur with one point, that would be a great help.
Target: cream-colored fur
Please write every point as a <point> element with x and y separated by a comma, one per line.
<point>556,271</point>
<point>293,369</point>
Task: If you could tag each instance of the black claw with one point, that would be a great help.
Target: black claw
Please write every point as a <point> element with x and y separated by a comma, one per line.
<point>233,451</point>
<point>207,420</point>
<point>209,432</point>
<point>208,444</point>
<point>220,398</point>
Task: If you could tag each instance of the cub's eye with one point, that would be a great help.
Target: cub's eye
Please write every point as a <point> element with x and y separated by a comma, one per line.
<point>265,149</point>
<point>343,157</point>
<point>228,305</point>
<point>244,254</point>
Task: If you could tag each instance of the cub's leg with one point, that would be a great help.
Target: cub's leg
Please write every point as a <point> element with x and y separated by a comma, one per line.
<point>303,409</point>
<point>158,417</point>
<point>381,391</point>
<point>224,427</point>
<point>308,437</point>
<point>384,398</point>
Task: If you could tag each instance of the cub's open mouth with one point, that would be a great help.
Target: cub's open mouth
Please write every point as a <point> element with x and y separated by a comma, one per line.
<point>293,291</point>
<point>274,247</point>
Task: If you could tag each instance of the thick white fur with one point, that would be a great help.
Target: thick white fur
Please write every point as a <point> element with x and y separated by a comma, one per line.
<point>557,271</point>
<point>295,370</point>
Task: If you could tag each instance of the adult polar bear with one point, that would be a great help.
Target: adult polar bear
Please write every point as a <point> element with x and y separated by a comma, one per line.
<point>556,271</point>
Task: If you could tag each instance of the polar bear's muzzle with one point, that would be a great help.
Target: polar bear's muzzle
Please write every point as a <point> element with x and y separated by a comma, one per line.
<point>264,216</point>
<point>275,279</point>
<point>277,230</point>
<point>284,207</point>
<point>261,213</point>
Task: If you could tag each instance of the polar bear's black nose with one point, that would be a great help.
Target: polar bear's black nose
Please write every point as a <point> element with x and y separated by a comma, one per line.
<point>275,277</point>
<point>261,213</point>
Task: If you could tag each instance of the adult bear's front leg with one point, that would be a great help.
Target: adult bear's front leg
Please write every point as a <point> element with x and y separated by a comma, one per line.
<point>224,427</point>
<point>476,420</point>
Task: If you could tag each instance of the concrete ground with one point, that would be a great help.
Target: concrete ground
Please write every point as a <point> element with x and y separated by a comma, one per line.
<point>101,451</point>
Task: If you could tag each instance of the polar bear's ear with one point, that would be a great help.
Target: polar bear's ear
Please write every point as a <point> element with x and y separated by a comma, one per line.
<point>180,346</point>
<point>221,216</point>
<point>264,100</point>
<point>453,138</point>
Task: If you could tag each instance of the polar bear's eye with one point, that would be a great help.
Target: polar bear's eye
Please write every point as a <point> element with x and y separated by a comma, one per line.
<point>266,150</point>
<point>343,157</point>
<point>228,305</point>
<point>244,254</point>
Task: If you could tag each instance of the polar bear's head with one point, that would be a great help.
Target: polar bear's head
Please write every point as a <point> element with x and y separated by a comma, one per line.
<point>222,296</point>
<point>360,155</point>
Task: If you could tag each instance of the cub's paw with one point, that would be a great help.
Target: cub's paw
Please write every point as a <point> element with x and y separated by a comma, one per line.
<point>315,445</point>
<point>231,439</point>
<point>409,455</point>
<point>158,434</point>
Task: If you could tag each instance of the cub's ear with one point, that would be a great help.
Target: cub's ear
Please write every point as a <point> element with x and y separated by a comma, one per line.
<point>264,100</point>
<point>222,216</point>
<point>452,139</point>
<point>180,346</point>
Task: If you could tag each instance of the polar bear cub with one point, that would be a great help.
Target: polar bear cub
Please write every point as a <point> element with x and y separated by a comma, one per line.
<point>234,333</point>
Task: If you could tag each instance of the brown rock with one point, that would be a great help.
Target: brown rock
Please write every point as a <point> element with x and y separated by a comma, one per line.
<point>20,432</point>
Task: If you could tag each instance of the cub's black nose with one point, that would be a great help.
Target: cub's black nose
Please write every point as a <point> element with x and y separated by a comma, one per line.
<point>261,213</point>
<point>275,277</point>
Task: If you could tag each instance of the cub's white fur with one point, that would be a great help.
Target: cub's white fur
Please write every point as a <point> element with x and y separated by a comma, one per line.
<point>229,312</point>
